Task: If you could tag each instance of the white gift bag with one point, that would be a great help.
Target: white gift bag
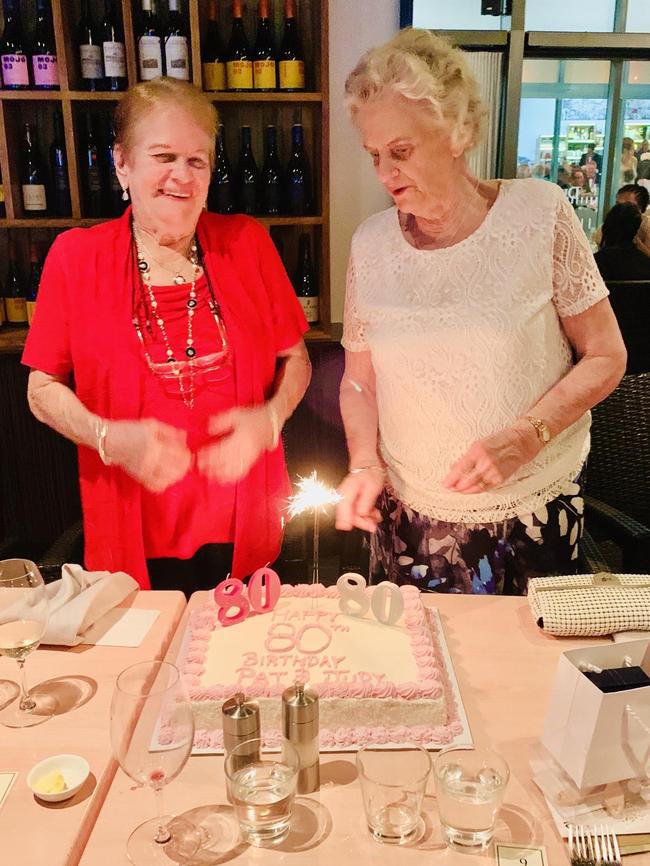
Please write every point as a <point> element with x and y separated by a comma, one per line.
<point>599,737</point>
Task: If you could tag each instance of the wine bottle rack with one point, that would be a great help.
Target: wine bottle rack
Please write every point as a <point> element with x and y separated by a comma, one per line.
<point>311,108</point>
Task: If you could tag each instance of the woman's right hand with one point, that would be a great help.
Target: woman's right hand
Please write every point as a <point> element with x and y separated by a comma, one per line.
<point>359,492</point>
<point>153,453</point>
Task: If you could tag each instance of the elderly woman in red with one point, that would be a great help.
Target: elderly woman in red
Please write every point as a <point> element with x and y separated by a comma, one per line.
<point>168,345</point>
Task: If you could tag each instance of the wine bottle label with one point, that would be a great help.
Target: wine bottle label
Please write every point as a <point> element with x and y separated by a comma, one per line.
<point>46,70</point>
<point>14,70</point>
<point>114,59</point>
<point>2,311</point>
<point>31,306</point>
<point>240,74</point>
<point>2,194</point>
<point>91,61</point>
<point>310,309</point>
<point>292,75</point>
<point>34,198</point>
<point>150,55</point>
<point>16,310</point>
<point>94,179</point>
<point>60,179</point>
<point>214,76</point>
<point>177,57</point>
<point>264,74</point>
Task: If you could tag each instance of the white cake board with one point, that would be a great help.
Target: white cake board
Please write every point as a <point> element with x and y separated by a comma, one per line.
<point>462,739</point>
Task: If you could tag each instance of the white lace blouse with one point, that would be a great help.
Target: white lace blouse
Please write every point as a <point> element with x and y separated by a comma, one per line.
<point>466,339</point>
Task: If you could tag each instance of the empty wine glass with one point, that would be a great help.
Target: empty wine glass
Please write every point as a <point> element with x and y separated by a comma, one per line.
<point>152,730</point>
<point>23,620</point>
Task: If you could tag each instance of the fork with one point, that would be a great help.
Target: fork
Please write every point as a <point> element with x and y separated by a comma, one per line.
<point>581,849</point>
<point>606,845</point>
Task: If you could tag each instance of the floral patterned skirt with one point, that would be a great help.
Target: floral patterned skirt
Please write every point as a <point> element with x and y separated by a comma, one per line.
<point>487,558</point>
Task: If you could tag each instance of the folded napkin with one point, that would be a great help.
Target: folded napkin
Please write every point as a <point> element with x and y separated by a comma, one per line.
<point>591,605</point>
<point>76,601</point>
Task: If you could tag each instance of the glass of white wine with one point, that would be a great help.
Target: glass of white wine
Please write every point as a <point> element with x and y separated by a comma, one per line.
<point>152,732</point>
<point>23,620</point>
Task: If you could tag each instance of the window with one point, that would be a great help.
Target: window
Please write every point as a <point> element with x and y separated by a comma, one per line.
<point>596,16</point>
<point>456,15</point>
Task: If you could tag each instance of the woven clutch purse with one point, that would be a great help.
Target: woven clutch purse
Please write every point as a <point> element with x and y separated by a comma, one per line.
<point>591,605</point>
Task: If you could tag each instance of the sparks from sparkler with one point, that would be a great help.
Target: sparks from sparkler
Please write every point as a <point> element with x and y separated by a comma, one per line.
<point>313,495</point>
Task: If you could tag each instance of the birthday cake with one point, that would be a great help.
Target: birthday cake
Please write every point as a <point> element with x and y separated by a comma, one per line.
<point>377,683</point>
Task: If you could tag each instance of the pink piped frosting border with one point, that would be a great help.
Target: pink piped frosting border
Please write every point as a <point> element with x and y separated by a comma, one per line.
<point>431,682</point>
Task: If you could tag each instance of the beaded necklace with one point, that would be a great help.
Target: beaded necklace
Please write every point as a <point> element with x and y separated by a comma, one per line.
<point>182,371</point>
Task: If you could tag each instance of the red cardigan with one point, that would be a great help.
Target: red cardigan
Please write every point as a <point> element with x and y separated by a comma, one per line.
<point>82,326</point>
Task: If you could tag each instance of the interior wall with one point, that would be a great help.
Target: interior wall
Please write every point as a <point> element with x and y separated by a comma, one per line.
<point>355,192</point>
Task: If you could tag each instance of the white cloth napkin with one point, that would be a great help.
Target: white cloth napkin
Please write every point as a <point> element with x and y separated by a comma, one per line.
<point>79,599</point>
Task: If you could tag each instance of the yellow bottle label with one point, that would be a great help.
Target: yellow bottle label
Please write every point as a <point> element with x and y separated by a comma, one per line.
<point>214,76</point>
<point>264,75</point>
<point>2,310</point>
<point>240,74</point>
<point>2,193</point>
<point>31,306</point>
<point>16,310</point>
<point>292,75</point>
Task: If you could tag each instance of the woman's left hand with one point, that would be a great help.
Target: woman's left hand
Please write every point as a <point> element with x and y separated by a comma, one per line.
<point>490,461</point>
<point>244,434</point>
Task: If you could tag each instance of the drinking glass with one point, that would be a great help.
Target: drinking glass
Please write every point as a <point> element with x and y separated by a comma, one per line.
<point>392,788</point>
<point>470,784</point>
<point>262,787</point>
<point>152,731</point>
<point>23,620</point>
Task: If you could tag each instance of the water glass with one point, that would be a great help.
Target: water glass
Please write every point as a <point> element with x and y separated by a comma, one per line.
<point>262,788</point>
<point>470,784</point>
<point>392,788</point>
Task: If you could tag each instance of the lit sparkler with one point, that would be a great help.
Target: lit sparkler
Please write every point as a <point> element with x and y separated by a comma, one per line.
<point>313,495</point>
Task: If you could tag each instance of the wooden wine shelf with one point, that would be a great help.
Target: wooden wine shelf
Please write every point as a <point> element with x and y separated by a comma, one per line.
<point>12,337</point>
<point>310,107</point>
<point>115,96</point>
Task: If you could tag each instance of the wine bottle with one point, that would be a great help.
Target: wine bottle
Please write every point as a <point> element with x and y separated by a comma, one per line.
<point>304,281</point>
<point>33,178</point>
<point>248,175</point>
<point>150,58</point>
<point>264,64</point>
<point>221,196</point>
<point>298,180</point>
<point>3,209</point>
<point>213,58</point>
<point>59,170</point>
<point>113,49</point>
<point>90,52</point>
<point>91,170</point>
<point>115,205</point>
<point>291,61</point>
<point>45,69</point>
<point>35,271</point>
<point>177,48</point>
<point>239,64</point>
<point>13,57</point>
<point>14,291</point>
<point>272,175</point>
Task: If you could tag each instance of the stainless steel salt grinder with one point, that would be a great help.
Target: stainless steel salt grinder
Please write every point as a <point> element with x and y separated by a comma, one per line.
<point>240,722</point>
<point>300,727</point>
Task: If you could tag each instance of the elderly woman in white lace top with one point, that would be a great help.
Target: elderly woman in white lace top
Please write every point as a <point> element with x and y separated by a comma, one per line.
<point>478,335</point>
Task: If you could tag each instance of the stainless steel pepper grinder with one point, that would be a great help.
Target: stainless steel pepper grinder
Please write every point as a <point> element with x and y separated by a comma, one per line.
<point>300,727</point>
<point>241,722</point>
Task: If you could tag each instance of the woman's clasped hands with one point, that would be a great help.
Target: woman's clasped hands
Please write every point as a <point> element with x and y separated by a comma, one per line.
<point>157,454</point>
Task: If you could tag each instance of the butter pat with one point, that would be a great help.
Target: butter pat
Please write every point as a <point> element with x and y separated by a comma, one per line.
<point>51,783</point>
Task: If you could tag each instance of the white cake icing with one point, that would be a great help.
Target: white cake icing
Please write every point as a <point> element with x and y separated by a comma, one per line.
<point>376,683</point>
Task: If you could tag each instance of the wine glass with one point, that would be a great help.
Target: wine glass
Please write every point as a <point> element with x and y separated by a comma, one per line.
<point>152,731</point>
<point>23,620</point>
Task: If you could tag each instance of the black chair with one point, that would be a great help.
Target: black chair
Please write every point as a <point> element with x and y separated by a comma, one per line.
<point>618,476</point>
<point>630,301</point>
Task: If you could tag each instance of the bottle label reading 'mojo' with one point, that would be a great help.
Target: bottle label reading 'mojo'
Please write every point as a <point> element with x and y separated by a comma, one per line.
<point>14,70</point>
<point>214,76</point>
<point>264,74</point>
<point>240,74</point>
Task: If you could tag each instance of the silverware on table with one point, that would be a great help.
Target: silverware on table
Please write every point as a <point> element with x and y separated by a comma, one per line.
<point>593,846</point>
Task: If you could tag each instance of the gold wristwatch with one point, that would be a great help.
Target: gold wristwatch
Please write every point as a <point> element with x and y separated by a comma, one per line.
<point>541,428</point>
